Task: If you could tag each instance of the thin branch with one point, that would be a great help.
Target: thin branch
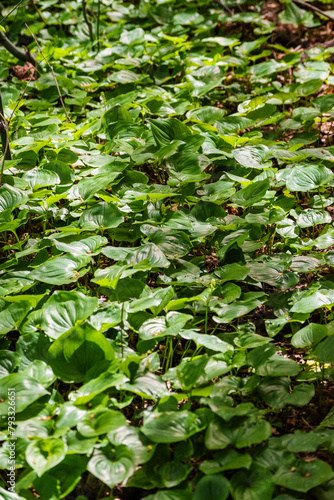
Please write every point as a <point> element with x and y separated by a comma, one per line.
<point>224,7</point>
<point>4,134</point>
<point>5,157</point>
<point>88,22</point>
<point>318,11</point>
<point>39,12</point>
<point>24,56</point>
<point>122,326</point>
<point>98,25</point>
<point>53,73</point>
<point>9,13</point>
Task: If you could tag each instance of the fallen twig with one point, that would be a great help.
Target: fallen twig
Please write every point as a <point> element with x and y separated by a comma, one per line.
<point>24,56</point>
<point>11,11</point>
<point>318,11</point>
<point>53,73</point>
<point>88,22</point>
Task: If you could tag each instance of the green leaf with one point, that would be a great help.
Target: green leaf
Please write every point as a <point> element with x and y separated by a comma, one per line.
<point>9,495</point>
<point>89,186</point>
<point>61,270</point>
<point>232,272</point>
<point>173,473</point>
<point>277,392</point>
<point>77,244</point>
<point>79,353</point>
<point>209,341</point>
<point>27,390</point>
<point>147,386</point>
<point>320,298</point>
<point>251,194</point>
<point>12,316</point>
<point>310,334</point>
<point>43,454</point>
<point>277,366</point>
<point>112,464</point>
<point>221,434</point>
<point>33,346</point>
<point>324,352</point>
<point>307,177</point>
<point>226,460</point>
<point>9,360</point>
<point>173,244</point>
<point>156,301</point>
<point>252,157</point>
<point>207,114</point>
<point>212,488</point>
<point>133,438</point>
<point>64,309</point>
<point>101,215</point>
<point>255,484</point>
<point>97,385</point>
<point>100,421</point>
<point>39,177</point>
<point>303,476</point>
<point>171,427</point>
<point>11,197</point>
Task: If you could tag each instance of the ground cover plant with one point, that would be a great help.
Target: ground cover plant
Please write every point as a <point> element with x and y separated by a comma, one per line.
<point>167,248</point>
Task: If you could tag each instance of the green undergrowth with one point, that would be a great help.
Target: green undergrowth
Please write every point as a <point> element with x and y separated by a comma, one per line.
<point>166,256</point>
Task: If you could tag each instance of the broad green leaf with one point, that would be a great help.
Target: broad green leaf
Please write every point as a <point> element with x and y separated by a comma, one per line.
<point>320,298</point>
<point>133,438</point>
<point>61,270</point>
<point>207,114</point>
<point>97,385</point>
<point>310,334</point>
<point>32,346</point>
<point>307,177</point>
<point>277,392</point>
<point>89,186</point>
<point>209,341</point>
<point>220,434</point>
<point>277,366</point>
<point>43,454</point>
<point>12,316</point>
<point>324,352</point>
<point>227,312</point>
<point>226,460</point>
<point>9,360</point>
<point>27,390</point>
<point>173,473</point>
<point>251,194</point>
<point>212,488</point>
<point>79,353</point>
<point>232,272</point>
<point>255,484</point>
<point>39,177</point>
<point>100,422</point>
<point>171,427</point>
<point>252,157</point>
<point>64,309</point>
<point>11,197</point>
<point>101,215</point>
<point>173,244</point>
<point>149,251</point>
<point>112,464</point>
<point>156,301</point>
<point>162,326</point>
<point>303,476</point>
<point>77,244</point>
<point>147,386</point>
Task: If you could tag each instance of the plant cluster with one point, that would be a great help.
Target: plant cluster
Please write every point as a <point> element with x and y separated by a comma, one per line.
<point>166,253</point>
